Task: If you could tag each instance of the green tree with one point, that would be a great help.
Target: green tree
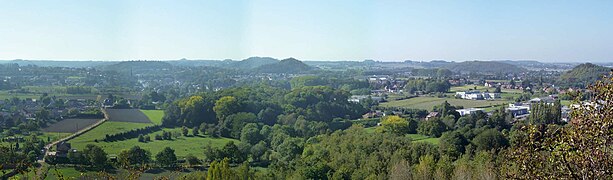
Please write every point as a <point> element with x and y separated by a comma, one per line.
<point>452,144</point>
<point>134,156</point>
<point>580,150</point>
<point>166,157</point>
<point>225,106</point>
<point>251,134</point>
<point>195,131</point>
<point>95,155</point>
<point>192,160</point>
<point>221,170</point>
<point>433,127</point>
<point>490,139</point>
<point>444,168</point>
<point>184,131</point>
<point>426,167</point>
<point>394,124</point>
<point>258,150</point>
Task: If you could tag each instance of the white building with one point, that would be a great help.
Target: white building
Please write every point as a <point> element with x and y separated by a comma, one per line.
<point>477,95</point>
<point>468,111</point>
<point>360,98</point>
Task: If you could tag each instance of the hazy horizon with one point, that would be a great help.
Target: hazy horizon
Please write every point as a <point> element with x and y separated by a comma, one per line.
<point>544,31</point>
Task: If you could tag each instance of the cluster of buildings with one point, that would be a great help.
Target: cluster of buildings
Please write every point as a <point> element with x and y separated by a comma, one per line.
<point>387,84</point>
<point>29,109</point>
<point>477,95</point>
<point>521,110</point>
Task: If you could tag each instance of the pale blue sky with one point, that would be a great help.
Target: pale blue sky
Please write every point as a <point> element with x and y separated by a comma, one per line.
<point>545,30</point>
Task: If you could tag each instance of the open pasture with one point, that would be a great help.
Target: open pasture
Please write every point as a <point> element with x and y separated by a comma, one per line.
<point>154,116</point>
<point>427,103</point>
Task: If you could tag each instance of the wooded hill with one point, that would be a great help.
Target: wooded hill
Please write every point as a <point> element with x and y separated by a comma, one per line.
<point>488,67</point>
<point>583,75</point>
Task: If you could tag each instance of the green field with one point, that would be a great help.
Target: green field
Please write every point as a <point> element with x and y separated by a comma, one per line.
<point>422,138</point>
<point>7,95</point>
<point>99,132</point>
<point>53,136</point>
<point>413,137</point>
<point>154,115</point>
<point>428,103</point>
<point>182,145</point>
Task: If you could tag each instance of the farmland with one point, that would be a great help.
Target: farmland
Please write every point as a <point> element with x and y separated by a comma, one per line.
<point>183,145</point>
<point>99,132</point>
<point>427,103</point>
<point>9,95</point>
<point>127,115</point>
<point>51,136</point>
<point>70,125</point>
<point>154,116</point>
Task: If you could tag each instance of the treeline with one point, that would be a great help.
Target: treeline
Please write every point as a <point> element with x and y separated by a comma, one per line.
<point>224,113</point>
<point>131,134</point>
<point>78,90</point>
<point>545,113</point>
<point>346,84</point>
<point>427,86</point>
<point>441,73</point>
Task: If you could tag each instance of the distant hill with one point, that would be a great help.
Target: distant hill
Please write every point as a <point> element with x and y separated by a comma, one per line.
<point>253,62</point>
<point>58,63</point>
<point>290,65</point>
<point>583,75</point>
<point>193,63</point>
<point>532,64</point>
<point>138,66</point>
<point>487,67</point>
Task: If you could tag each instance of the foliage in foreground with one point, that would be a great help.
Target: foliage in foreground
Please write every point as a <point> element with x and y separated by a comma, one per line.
<point>579,150</point>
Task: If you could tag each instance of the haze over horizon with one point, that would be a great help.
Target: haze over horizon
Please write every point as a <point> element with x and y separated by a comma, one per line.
<point>546,31</point>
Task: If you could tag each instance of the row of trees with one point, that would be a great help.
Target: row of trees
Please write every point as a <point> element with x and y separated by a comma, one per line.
<point>427,85</point>
<point>131,133</point>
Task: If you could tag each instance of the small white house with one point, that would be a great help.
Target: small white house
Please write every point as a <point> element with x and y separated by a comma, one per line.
<point>468,111</point>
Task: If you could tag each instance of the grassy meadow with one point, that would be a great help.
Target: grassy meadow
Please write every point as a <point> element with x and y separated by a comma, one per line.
<point>154,115</point>
<point>183,145</point>
<point>427,103</point>
<point>413,137</point>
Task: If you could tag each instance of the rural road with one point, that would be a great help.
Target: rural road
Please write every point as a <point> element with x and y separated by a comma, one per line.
<point>50,145</point>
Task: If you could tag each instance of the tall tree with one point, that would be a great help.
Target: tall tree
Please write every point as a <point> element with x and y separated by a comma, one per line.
<point>134,156</point>
<point>166,157</point>
<point>394,124</point>
<point>225,106</point>
<point>95,155</point>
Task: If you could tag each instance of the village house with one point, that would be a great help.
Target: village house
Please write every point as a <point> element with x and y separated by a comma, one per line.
<point>361,98</point>
<point>61,150</point>
<point>432,115</point>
